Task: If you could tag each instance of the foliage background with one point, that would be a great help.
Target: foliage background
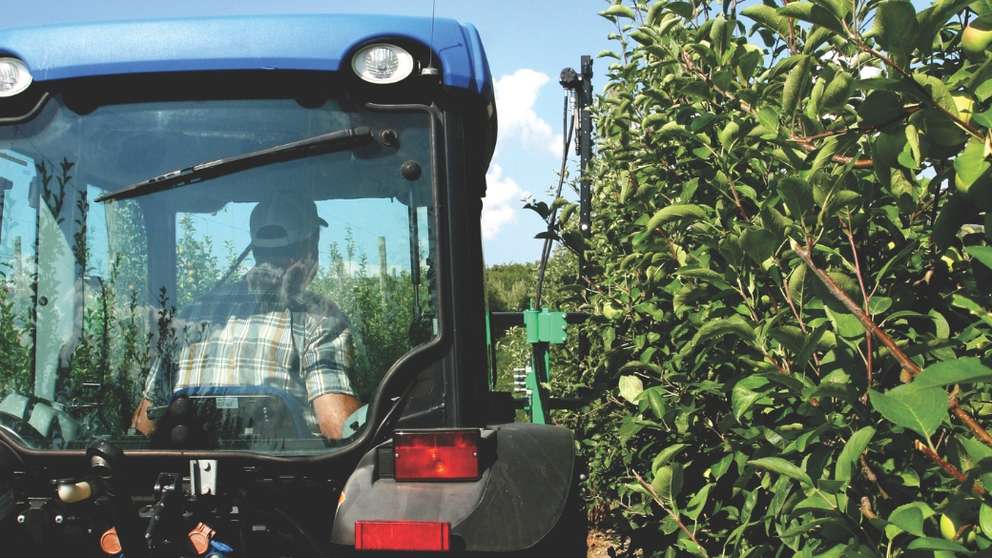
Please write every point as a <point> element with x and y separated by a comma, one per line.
<point>789,267</point>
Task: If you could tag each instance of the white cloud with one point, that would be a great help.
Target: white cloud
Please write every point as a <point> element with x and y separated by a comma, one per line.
<point>516,94</point>
<point>502,201</point>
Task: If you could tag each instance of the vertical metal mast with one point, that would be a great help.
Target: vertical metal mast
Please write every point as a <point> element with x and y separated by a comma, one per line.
<point>584,93</point>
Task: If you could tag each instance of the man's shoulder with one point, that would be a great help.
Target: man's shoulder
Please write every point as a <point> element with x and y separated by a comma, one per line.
<point>220,302</point>
<point>324,311</point>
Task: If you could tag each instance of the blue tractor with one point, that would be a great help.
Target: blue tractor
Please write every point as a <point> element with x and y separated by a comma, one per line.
<point>242,309</point>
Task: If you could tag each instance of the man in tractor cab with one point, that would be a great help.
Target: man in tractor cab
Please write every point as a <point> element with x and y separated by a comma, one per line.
<point>266,329</point>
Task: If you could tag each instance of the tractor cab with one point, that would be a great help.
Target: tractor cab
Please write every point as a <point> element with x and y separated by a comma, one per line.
<point>242,307</point>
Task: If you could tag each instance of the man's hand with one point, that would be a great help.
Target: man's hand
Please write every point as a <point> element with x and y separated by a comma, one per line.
<point>332,409</point>
<point>141,422</point>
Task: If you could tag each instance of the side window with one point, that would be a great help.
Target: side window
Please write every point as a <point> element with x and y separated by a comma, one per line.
<point>374,266</point>
<point>17,246</point>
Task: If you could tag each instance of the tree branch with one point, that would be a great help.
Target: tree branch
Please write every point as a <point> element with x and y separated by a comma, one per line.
<point>672,514</point>
<point>910,368</point>
<point>949,468</point>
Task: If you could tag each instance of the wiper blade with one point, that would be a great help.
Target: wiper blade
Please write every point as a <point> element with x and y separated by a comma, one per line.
<point>317,145</point>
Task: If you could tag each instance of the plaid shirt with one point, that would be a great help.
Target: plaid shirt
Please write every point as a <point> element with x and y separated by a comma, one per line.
<point>236,337</point>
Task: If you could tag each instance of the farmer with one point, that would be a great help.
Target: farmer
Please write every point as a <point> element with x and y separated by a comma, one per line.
<point>266,329</point>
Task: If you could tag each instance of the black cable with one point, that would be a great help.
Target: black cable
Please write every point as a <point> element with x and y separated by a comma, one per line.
<point>546,249</point>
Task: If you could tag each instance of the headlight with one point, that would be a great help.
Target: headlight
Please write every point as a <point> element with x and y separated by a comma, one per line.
<point>382,63</point>
<point>14,77</point>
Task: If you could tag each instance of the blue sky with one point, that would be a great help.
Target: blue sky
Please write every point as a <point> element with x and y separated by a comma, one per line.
<point>527,42</point>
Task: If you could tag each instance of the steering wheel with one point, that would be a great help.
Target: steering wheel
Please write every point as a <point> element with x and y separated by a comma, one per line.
<point>21,432</point>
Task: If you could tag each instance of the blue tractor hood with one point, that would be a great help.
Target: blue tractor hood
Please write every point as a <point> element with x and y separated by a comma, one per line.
<point>316,42</point>
<point>289,42</point>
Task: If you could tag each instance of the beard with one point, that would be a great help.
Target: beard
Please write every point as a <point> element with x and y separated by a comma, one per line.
<point>283,286</point>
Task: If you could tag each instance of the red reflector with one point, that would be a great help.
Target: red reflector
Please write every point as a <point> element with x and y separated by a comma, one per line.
<point>436,455</point>
<point>402,535</point>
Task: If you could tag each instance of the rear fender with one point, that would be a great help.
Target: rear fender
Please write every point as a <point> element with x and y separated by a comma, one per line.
<point>513,506</point>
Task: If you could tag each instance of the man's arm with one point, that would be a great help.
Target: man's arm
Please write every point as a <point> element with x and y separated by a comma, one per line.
<point>326,363</point>
<point>332,409</point>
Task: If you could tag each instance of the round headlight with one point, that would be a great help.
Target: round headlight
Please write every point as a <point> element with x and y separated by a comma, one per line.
<point>14,77</point>
<point>382,63</point>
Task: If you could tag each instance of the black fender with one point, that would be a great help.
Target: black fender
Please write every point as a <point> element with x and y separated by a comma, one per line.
<point>516,503</point>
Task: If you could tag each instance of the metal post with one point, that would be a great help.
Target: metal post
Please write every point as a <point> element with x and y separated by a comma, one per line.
<point>584,101</point>
<point>383,270</point>
<point>585,154</point>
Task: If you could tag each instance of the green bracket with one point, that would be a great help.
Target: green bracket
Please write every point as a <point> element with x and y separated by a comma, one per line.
<point>545,327</point>
<point>535,407</point>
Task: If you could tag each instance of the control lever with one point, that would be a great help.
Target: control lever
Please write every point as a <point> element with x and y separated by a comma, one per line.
<point>108,467</point>
<point>168,488</point>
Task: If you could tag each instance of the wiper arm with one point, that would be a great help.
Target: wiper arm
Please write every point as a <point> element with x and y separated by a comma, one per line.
<point>324,143</point>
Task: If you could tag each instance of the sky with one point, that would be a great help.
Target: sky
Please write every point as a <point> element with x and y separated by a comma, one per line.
<point>527,43</point>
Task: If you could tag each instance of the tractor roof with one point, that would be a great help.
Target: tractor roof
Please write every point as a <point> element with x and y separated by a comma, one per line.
<point>286,42</point>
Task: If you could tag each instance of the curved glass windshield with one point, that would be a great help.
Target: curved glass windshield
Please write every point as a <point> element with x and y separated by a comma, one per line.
<point>256,308</point>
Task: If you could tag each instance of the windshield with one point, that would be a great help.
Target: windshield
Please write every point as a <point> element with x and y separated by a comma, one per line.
<point>255,310</point>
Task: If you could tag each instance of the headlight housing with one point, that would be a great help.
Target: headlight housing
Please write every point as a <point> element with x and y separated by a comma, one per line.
<point>14,77</point>
<point>382,63</point>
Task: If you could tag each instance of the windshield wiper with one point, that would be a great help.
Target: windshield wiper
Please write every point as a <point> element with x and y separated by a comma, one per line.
<point>324,143</point>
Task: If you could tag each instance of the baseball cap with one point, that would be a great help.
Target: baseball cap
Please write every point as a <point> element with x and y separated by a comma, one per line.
<point>283,220</point>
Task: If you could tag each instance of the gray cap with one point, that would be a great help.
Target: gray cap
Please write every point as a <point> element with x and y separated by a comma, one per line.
<point>283,220</point>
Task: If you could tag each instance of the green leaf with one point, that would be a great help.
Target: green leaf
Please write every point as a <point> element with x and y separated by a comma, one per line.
<point>896,26</point>
<point>729,133</point>
<point>698,502</point>
<point>797,194</point>
<point>759,244</point>
<point>852,451</point>
<point>667,481</point>
<point>734,325</point>
<point>769,17</point>
<point>642,37</point>
<point>797,283</point>
<point>795,81</point>
<point>970,165</point>
<point>630,388</point>
<point>618,10</point>
<point>920,410</point>
<point>981,253</point>
<point>906,518</point>
<point>655,13</point>
<point>838,91</point>
<point>880,107</point>
<point>782,467</point>
<point>952,215</point>
<point>666,455</point>
<point>933,543</point>
<point>675,213</point>
<point>937,90</point>
<point>959,371</point>
<point>812,13</point>
<point>985,519</point>
<point>746,393</point>
<point>819,36</point>
<point>629,428</point>
<point>655,400</point>
<point>719,33</point>
<point>933,18</point>
<point>812,524</point>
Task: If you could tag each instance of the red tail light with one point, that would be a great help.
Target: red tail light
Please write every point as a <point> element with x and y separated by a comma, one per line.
<point>402,535</point>
<point>451,455</point>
